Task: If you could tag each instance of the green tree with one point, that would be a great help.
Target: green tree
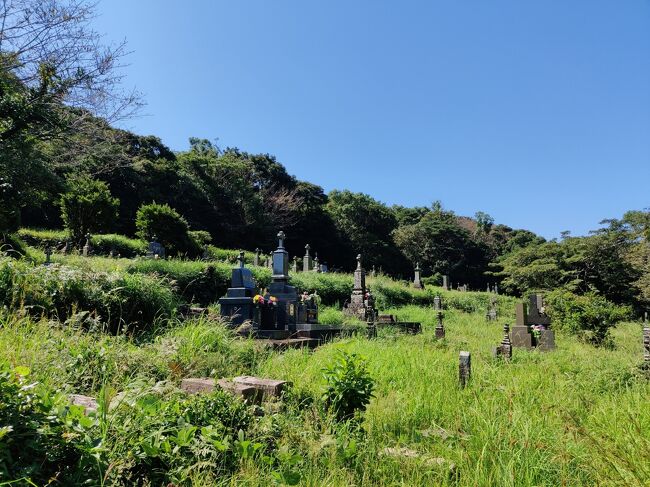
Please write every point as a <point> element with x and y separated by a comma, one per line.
<point>87,206</point>
<point>168,226</point>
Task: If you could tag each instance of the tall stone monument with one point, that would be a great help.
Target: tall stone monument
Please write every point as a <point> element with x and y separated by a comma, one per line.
<point>357,305</point>
<point>417,282</point>
<point>237,304</point>
<point>306,260</point>
<point>286,295</point>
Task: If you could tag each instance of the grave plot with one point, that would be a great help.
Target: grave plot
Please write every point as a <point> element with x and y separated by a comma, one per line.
<point>279,315</point>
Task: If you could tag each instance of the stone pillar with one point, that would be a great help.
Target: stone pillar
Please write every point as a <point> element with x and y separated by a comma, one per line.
<point>445,283</point>
<point>437,303</point>
<point>48,254</point>
<point>316,264</point>
<point>646,345</point>
<point>86,247</point>
<point>295,264</point>
<point>440,329</point>
<point>417,283</point>
<point>306,260</point>
<point>464,368</point>
<point>256,257</point>
<point>506,346</point>
<point>371,329</point>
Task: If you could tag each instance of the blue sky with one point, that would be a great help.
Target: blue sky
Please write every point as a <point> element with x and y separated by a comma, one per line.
<point>536,112</point>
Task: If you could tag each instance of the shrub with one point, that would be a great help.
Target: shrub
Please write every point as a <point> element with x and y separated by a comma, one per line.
<point>135,301</point>
<point>349,386</point>
<point>589,316</point>
<point>87,207</point>
<point>43,238</point>
<point>35,432</point>
<point>168,226</point>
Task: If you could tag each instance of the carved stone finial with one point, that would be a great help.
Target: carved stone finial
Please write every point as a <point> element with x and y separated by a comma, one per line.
<point>240,259</point>
<point>307,247</point>
<point>281,237</point>
<point>358,262</point>
<point>417,266</point>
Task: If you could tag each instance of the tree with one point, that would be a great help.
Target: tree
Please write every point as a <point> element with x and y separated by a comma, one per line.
<point>168,226</point>
<point>87,206</point>
<point>441,246</point>
<point>367,226</point>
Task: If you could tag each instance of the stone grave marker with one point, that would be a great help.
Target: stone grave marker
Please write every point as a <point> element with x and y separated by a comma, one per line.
<point>646,345</point>
<point>155,250</point>
<point>464,368</point>
<point>256,257</point>
<point>316,264</point>
<point>237,305</point>
<point>86,248</point>
<point>306,260</point>
<point>48,255</point>
<point>437,303</point>
<point>417,282</point>
<point>504,349</point>
<point>440,329</point>
<point>491,314</point>
<point>445,283</point>
<point>358,306</point>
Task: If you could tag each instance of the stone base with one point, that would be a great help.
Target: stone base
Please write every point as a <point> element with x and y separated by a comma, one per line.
<point>546,341</point>
<point>520,337</point>
<point>302,330</point>
<point>288,343</point>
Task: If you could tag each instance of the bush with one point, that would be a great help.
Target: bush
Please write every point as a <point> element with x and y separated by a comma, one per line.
<point>349,386</point>
<point>168,226</point>
<point>43,238</point>
<point>35,432</point>
<point>589,316</point>
<point>87,207</point>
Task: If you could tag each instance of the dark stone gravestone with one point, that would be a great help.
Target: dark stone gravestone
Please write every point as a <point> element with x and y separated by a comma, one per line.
<point>440,329</point>
<point>237,304</point>
<point>504,349</point>
<point>646,345</point>
<point>417,282</point>
<point>308,308</point>
<point>532,328</point>
<point>464,368</point>
<point>256,257</point>
<point>287,298</point>
<point>155,250</point>
<point>323,267</point>
<point>306,260</point>
<point>48,254</point>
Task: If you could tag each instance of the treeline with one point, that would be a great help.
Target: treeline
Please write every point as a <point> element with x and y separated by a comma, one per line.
<point>63,164</point>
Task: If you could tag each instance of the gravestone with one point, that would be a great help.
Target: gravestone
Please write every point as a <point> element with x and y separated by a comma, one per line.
<point>295,263</point>
<point>504,349</point>
<point>646,345</point>
<point>86,248</point>
<point>48,254</point>
<point>496,288</point>
<point>357,305</point>
<point>437,303</point>
<point>256,257</point>
<point>287,298</point>
<point>155,249</point>
<point>308,308</point>
<point>237,304</point>
<point>371,329</point>
<point>64,249</point>
<point>440,329</point>
<point>316,264</point>
<point>521,336</point>
<point>417,283</point>
<point>373,272</point>
<point>491,314</point>
<point>306,260</point>
<point>445,283</point>
<point>323,267</point>
<point>532,328</point>
<point>464,368</point>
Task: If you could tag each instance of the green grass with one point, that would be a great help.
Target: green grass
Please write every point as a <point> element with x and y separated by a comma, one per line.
<point>575,416</point>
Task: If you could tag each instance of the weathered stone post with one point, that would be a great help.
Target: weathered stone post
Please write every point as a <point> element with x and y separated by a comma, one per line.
<point>440,329</point>
<point>646,345</point>
<point>295,264</point>
<point>48,254</point>
<point>256,257</point>
<point>371,328</point>
<point>464,368</point>
<point>306,260</point>
<point>437,303</point>
<point>86,247</point>
<point>445,283</point>
<point>506,346</point>
<point>417,283</point>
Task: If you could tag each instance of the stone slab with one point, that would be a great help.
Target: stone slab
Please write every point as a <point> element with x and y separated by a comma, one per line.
<point>267,387</point>
<point>88,402</point>
<point>207,385</point>
<point>412,327</point>
<point>288,343</point>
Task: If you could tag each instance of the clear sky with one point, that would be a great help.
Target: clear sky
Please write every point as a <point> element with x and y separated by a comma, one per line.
<point>536,112</point>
